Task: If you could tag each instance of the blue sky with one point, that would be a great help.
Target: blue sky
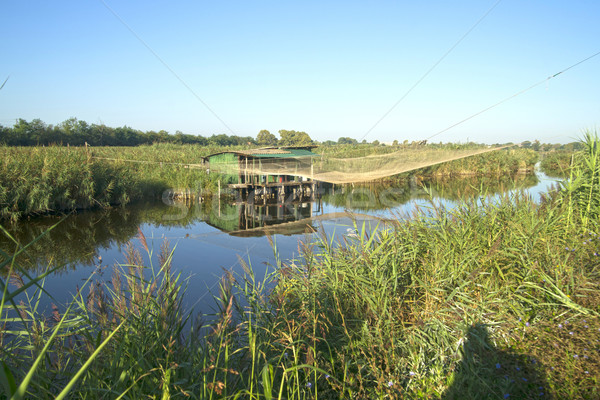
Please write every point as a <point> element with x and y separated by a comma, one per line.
<point>331,69</point>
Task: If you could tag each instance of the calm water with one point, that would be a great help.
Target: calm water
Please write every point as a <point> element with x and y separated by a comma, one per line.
<point>213,236</point>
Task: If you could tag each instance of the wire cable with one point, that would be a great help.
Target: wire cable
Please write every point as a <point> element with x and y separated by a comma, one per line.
<point>431,69</point>
<point>4,83</point>
<point>165,65</point>
<point>186,165</point>
<point>514,95</point>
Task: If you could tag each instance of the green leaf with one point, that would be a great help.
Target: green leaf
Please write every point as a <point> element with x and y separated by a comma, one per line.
<point>8,381</point>
<point>267,377</point>
<point>85,366</point>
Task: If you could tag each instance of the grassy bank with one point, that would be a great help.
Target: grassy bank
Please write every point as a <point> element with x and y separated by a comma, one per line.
<point>37,180</point>
<point>34,180</point>
<point>556,163</point>
<point>487,300</point>
<point>496,163</point>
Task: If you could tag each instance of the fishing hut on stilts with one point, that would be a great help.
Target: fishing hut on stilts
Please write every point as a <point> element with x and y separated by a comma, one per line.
<point>270,174</point>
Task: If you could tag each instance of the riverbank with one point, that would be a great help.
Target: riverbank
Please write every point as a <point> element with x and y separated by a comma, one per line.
<point>39,180</point>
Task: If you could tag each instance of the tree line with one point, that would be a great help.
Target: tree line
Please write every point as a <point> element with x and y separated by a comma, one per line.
<point>74,132</point>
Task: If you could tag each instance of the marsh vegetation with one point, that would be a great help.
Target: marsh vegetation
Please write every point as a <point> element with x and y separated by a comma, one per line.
<point>488,299</point>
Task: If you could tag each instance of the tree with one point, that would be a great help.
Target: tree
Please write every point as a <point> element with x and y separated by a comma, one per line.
<point>242,140</point>
<point>293,138</point>
<point>6,136</point>
<point>266,138</point>
<point>220,140</point>
<point>30,133</point>
<point>347,140</point>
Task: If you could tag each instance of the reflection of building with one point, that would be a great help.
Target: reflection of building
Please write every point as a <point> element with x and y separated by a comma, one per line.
<point>248,219</point>
<point>267,173</point>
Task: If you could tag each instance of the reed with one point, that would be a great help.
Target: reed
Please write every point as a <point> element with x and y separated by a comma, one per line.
<point>581,192</point>
<point>496,163</point>
<point>36,180</point>
<point>486,300</point>
<point>557,163</point>
<point>130,337</point>
<point>404,305</point>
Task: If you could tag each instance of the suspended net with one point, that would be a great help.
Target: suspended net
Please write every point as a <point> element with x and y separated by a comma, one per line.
<point>304,164</point>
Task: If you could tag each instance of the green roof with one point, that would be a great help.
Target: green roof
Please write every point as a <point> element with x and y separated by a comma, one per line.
<point>270,153</point>
<point>290,153</point>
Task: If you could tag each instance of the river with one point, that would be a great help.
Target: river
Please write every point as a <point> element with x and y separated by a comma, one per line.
<point>213,236</point>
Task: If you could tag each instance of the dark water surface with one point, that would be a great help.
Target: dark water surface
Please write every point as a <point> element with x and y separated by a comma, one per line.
<point>213,236</point>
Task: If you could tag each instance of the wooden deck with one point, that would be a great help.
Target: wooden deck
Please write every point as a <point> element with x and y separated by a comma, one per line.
<point>280,191</point>
<point>269,185</point>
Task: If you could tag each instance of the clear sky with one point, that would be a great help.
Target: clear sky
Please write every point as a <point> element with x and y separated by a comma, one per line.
<point>331,69</point>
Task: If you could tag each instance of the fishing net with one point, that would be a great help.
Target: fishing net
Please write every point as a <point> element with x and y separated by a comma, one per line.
<point>269,162</point>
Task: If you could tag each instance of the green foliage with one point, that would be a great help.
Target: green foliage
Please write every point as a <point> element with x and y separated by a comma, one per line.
<point>347,140</point>
<point>130,337</point>
<point>293,138</point>
<point>266,138</point>
<point>74,132</point>
<point>28,340</point>
<point>34,180</point>
<point>557,163</point>
<point>400,300</point>
<point>51,179</point>
<point>580,194</point>
<point>506,161</point>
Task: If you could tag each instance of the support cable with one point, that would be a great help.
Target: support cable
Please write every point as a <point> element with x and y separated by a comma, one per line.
<point>430,69</point>
<point>147,46</point>
<point>514,95</point>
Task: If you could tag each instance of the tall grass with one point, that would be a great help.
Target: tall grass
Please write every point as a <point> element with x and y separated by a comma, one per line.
<point>130,337</point>
<point>396,304</point>
<point>557,163</point>
<point>29,361</point>
<point>37,180</point>
<point>34,180</point>
<point>581,192</point>
<point>399,312</point>
<point>496,163</point>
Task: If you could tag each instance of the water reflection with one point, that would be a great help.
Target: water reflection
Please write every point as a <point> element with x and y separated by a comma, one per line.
<point>78,239</point>
<point>370,196</point>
